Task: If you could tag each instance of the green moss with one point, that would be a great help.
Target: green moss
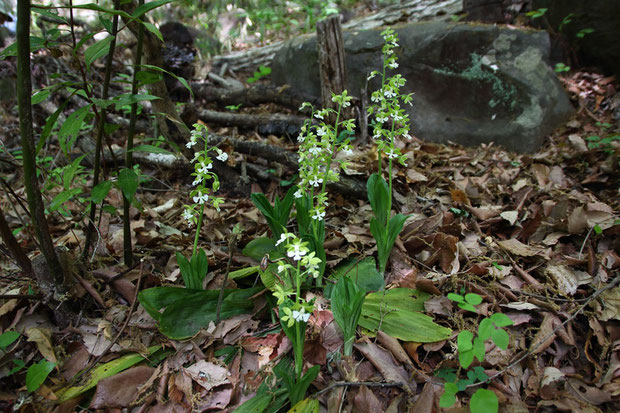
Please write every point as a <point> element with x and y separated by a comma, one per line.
<point>503,92</point>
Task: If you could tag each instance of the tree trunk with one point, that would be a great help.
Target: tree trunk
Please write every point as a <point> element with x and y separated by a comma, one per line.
<point>331,59</point>
<point>51,276</point>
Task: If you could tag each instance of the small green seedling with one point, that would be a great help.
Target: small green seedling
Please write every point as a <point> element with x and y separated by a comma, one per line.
<point>561,68</point>
<point>36,374</point>
<point>536,14</point>
<point>597,142</point>
<point>347,300</point>
<point>260,73</point>
<point>469,347</point>
<point>583,32</point>
<point>233,108</point>
<point>459,212</point>
<point>466,302</point>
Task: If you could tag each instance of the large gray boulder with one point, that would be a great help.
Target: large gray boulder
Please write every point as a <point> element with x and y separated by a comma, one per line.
<point>472,83</point>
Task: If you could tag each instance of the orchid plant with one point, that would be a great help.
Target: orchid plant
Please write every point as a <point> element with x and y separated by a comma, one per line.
<point>318,146</point>
<point>300,263</point>
<point>205,184</point>
<point>391,122</point>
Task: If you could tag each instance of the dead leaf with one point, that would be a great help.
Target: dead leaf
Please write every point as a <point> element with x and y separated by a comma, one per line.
<point>42,337</point>
<point>120,390</point>
<point>382,360</point>
<point>365,401</point>
<point>207,374</point>
<point>510,216</point>
<point>551,380</point>
<point>611,308</point>
<point>566,279</point>
<point>541,172</point>
<point>426,402</point>
<point>545,336</point>
<point>516,247</point>
<point>392,345</point>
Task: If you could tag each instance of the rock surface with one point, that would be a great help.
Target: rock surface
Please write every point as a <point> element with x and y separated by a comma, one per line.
<point>472,83</point>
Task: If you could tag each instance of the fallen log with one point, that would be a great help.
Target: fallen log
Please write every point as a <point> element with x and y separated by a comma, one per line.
<point>407,12</point>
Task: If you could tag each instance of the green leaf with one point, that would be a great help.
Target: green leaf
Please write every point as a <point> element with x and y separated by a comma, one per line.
<point>106,23</point>
<point>243,272</point>
<point>309,405</point>
<point>364,273</point>
<point>478,373</point>
<point>40,96</point>
<point>36,43</point>
<point>258,247</point>
<point>395,225</point>
<point>54,17</point>
<point>18,365</point>
<point>270,277</point>
<point>70,171</point>
<point>49,125</point>
<point>63,197</point>
<point>97,50</point>
<point>455,297</point>
<point>200,266</point>
<point>467,306</point>
<point>398,313</point>
<point>101,372</point>
<point>153,29</point>
<point>264,206</point>
<point>485,328</point>
<point>448,398</point>
<point>485,401</point>
<point>127,99</point>
<point>186,272</point>
<point>145,77</point>
<point>277,216</point>
<point>155,299</point>
<point>466,358</point>
<point>303,206</point>
<point>346,305</point>
<point>501,320</point>
<point>256,404</point>
<point>299,389</point>
<point>159,69</point>
<point>147,7</point>
<point>597,229</point>
<point>7,338</point>
<point>128,182</point>
<point>473,299</point>
<point>464,341</point>
<point>100,191</point>
<point>183,318</point>
<point>71,127</point>
<point>379,197</point>
<point>501,338</point>
<point>37,373</point>
<point>478,349</point>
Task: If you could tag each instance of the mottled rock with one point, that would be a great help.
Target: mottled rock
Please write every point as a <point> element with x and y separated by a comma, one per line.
<point>472,83</point>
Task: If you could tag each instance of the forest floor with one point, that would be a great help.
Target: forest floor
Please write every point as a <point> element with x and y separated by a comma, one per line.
<point>535,235</point>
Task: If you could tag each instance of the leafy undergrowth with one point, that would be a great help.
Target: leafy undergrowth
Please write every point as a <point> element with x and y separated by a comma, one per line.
<point>534,236</point>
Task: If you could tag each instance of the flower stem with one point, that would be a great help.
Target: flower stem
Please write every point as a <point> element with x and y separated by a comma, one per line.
<point>390,171</point>
<point>198,226</point>
<point>333,150</point>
